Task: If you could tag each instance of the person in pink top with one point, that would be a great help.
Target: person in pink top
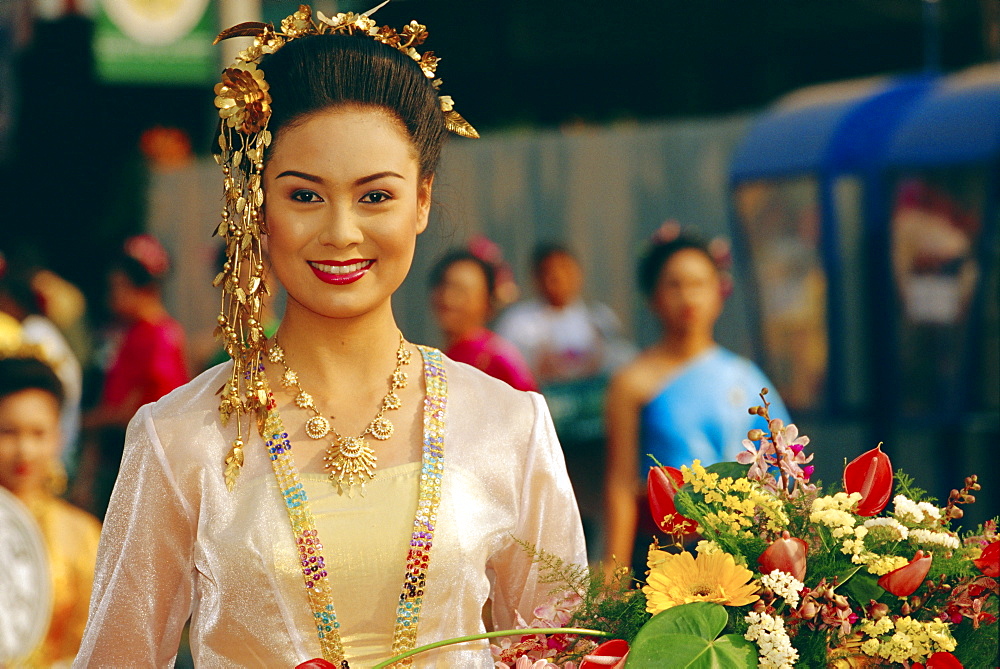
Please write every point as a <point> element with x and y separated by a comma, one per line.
<point>147,362</point>
<point>462,293</point>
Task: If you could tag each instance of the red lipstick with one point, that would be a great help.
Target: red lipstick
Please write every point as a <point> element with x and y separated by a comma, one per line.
<point>340,272</point>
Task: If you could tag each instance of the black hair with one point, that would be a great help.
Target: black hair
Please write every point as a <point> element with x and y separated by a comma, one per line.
<point>134,271</point>
<point>546,250</point>
<point>458,255</point>
<point>15,283</point>
<point>316,72</point>
<point>656,257</point>
<point>18,374</point>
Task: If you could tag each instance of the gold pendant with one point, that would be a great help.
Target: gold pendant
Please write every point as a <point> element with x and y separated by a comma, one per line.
<point>381,428</point>
<point>317,427</point>
<point>350,458</point>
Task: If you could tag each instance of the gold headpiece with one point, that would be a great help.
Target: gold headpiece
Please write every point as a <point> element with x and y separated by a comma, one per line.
<point>245,108</point>
<point>14,345</point>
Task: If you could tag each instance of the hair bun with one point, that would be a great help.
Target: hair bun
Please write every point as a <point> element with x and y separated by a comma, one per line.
<point>148,252</point>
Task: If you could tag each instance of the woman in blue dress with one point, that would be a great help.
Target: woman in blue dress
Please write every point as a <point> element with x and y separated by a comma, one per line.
<point>685,397</point>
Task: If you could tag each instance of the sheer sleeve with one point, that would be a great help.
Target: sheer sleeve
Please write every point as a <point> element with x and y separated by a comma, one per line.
<point>144,580</point>
<point>548,519</point>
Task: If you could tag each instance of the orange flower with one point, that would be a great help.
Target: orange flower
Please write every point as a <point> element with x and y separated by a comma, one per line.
<point>871,475</point>
<point>904,581</point>
<point>661,486</point>
<point>676,579</point>
<point>787,554</point>
<point>988,561</point>
<point>608,654</point>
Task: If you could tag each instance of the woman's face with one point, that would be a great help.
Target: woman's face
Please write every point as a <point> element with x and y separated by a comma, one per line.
<point>345,203</point>
<point>560,279</point>
<point>688,295</point>
<point>123,296</point>
<point>461,301</point>
<point>29,440</point>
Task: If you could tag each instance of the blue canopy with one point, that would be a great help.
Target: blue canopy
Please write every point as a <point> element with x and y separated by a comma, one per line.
<point>957,122</point>
<point>831,128</point>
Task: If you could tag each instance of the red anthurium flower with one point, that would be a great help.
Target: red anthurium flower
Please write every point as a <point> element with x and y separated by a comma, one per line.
<point>608,654</point>
<point>787,554</point>
<point>989,561</point>
<point>940,660</point>
<point>661,485</point>
<point>905,580</point>
<point>871,475</point>
<point>316,663</point>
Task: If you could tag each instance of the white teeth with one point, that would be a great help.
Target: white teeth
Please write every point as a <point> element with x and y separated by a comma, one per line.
<point>342,269</point>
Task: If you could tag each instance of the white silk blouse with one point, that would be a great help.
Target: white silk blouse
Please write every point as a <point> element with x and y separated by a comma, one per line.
<point>176,545</point>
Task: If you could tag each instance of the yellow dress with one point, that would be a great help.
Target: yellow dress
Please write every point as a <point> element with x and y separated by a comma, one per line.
<point>71,536</point>
<point>176,543</point>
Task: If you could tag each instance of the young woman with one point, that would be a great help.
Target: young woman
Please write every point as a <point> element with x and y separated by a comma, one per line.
<point>31,397</point>
<point>384,504</point>
<point>462,295</point>
<point>147,362</point>
<point>685,397</point>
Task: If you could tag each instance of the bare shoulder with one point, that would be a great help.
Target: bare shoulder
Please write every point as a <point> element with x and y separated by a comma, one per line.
<point>638,380</point>
<point>75,520</point>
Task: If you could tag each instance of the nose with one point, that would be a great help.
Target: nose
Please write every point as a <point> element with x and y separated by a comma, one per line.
<point>341,228</point>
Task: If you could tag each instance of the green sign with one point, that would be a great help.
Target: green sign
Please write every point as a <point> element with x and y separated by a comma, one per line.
<point>156,42</point>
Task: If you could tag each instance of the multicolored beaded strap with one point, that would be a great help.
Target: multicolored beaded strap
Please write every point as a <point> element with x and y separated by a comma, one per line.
<point>428,499</point>
<point>310,549</point>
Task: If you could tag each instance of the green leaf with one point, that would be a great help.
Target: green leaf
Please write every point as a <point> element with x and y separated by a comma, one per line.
<point>685,636</point>
<point>733,470</point>
<point>701,619</point>
<point>862,587</point>
<point>685,503</point>
<point>685,651</point>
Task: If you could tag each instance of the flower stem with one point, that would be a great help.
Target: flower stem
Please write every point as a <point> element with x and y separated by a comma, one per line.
<point>490,635</point>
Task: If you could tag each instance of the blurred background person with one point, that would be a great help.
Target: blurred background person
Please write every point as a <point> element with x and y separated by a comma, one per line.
<point>147,361</point>
<point>683,398</point>
<point>463,290</point>
<point>572,346</point>
<point>22,297</point>
<point>31,401</point>
<point>562,337</point>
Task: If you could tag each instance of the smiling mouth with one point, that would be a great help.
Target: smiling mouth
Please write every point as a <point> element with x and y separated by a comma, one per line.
<point>342,269</point>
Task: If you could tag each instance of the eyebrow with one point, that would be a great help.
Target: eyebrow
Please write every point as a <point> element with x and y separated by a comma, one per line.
<point>357,182</point>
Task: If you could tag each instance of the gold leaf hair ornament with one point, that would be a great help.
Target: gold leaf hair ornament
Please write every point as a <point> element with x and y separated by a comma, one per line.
<point>244,105</point>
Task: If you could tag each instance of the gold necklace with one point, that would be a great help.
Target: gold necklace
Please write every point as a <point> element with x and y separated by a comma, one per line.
<point>350,458</point>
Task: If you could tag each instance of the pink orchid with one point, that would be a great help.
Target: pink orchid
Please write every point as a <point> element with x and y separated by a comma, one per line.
<point>754,457</point>
<point>785,450</point>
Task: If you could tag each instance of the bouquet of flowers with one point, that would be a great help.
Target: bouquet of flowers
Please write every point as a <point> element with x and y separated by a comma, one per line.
<point>765,568</point>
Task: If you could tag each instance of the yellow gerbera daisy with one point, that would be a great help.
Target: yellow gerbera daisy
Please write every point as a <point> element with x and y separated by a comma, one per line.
<point>711,577</point>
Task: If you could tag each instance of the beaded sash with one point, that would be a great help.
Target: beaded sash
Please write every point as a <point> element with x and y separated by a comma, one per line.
<point>417,559</point>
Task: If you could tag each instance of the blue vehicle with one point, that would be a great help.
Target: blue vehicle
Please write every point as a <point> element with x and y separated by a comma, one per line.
<point>867,212</point>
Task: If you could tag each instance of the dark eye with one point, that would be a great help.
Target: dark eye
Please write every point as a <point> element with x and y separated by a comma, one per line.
<point>376,197</point>
<point>304,195</point>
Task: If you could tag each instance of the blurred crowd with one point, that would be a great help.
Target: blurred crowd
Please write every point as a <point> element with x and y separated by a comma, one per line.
<point>71,378</point>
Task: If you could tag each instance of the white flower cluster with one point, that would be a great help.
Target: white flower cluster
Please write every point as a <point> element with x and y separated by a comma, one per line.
<point>834,512</point>
<point>707,547</point>
<point>901,530</point>
<point>880,565</point>
<point>784,585</point>
<point>911,641</point>
<point>775,648</point>
<point>932,538</point>
<point>907,510</point>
